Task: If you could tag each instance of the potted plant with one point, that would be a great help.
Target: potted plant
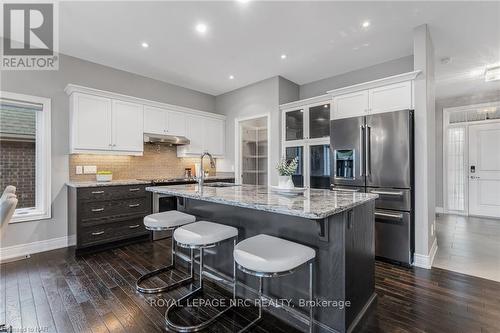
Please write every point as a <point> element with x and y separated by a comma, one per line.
<point>286,169</point>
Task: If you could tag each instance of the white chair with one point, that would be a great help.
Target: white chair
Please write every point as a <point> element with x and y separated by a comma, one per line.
<point>8,204</point>
<point>201,235</point>
<point>169,220</point>
<point>268,256</point>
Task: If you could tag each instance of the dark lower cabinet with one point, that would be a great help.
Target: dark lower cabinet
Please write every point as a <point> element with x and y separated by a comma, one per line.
<point>108,215</point>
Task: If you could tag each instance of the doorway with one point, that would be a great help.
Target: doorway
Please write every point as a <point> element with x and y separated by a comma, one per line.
<point>468,234</point>
<point>252,150</point>
<point>471,168</point>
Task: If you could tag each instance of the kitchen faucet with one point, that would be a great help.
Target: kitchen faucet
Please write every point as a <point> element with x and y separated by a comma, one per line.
<point>201,178</point>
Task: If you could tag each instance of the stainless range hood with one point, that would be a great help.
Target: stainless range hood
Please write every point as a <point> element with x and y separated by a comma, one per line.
<point>166,139</point>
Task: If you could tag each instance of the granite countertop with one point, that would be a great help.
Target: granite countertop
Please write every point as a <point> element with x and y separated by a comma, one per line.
<point>94,183</point>
<point>314,204</point>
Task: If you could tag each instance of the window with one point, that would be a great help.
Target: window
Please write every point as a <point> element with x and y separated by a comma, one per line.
<point>25,153</point>
<point>456,168</point>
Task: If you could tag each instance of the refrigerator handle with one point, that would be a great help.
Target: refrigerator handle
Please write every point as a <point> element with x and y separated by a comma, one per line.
<point>362,150</point>
<point>368,144</point>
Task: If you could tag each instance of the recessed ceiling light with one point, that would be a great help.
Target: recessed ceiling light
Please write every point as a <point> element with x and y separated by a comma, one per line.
<point>145,45</point>
<point>201,28</point>
<point>283,56</point>
<point>325,106</point>
<point>231,77</point>
<point>365,24</point>
<point>243,1</point>
<point>492,74</point>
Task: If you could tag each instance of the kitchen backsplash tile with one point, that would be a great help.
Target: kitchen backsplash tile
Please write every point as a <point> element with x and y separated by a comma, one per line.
<point>158,161</point>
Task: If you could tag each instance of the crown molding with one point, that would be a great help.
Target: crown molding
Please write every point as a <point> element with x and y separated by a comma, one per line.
<point>375,83</point>
<point>72,88</point>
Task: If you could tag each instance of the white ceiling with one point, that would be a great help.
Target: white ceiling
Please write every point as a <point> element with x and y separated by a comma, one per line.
<point>321,39</point>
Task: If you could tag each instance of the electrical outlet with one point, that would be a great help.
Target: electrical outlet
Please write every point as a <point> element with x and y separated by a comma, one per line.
<point>79,170</point>
<point>89,169</point>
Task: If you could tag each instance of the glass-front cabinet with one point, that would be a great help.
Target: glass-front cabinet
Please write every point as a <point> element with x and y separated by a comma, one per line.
<point>306,134</point>
<point>294,125</point>
<point>307,122</point>
<point>319,121</point>
<point>319,165</point>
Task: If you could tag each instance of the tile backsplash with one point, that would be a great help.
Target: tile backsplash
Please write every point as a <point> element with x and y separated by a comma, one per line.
<point>158,161</point>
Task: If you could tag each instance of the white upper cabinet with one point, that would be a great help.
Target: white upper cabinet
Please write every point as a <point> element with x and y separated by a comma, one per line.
<point>176,123</point>
<point>194,134</point>
<point>127,124</point>
<point>104,125</point>
<point>214,136</point>
<point>383,95</point>
<point>392,97</point>
<point>90,122</point>
<point>163,121</point>
<point>155,121</point>
<point>103,122</point>
<point>204,134</point>
<point>350,105</point>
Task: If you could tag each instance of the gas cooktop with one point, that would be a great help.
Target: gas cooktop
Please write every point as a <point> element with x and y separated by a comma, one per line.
<point>167,180</point>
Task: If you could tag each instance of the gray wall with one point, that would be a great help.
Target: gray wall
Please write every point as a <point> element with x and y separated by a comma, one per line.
<point>263,97</point>
<point>392,67</point>
<point>476,98</point>
<point>51,84</point>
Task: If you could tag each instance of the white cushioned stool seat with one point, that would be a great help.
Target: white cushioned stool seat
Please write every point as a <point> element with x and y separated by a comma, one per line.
<point>268,254</point>
<point>167,220</point>
<point>203,233</point>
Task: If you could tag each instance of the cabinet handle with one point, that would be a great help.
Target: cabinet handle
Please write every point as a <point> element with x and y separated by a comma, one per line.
<point>397,194</point>
<point>134,205</point>
<point>97,192</point>
<point>97,233</point>
<point>95,210</point>
<point>388,215</point>
<point>134,189</point>
<point>134,226</point>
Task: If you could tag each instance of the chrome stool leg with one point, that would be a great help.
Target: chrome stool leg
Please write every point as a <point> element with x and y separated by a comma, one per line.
<point>195,328</point>
<point>261,275</point>
<point>162,270</point>
<point>259,318</point>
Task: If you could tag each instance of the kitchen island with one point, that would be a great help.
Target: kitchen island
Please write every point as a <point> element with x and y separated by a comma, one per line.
<point>338,225</point>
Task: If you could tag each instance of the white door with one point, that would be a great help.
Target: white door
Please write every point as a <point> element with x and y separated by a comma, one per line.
<point>92,122</point>
<point>127,129</point>
<point>350,105</point>
<point>393,97</point>
<point>176,123</point>
<point>484,170</point>
<point>155,120</point>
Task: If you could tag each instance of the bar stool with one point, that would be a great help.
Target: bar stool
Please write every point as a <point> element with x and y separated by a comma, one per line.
<point>201,235</point>
<point>268,256</point>
<point>169,220</point>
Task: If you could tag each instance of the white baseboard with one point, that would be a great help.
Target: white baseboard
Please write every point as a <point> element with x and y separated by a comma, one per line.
<point>440,210</point>
<point>23,250</point>
<point>425,261</point>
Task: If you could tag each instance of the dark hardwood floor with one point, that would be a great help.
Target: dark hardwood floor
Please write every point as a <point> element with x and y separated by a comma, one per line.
<point>58,292</point>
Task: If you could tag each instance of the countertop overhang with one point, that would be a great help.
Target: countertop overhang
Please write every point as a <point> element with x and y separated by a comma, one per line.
<point>314,204</point>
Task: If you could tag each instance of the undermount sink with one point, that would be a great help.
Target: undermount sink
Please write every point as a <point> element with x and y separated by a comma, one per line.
<point>220,184</point>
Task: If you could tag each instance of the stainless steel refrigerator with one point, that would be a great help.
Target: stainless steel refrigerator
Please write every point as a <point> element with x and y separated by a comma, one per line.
<point>375,154</point>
